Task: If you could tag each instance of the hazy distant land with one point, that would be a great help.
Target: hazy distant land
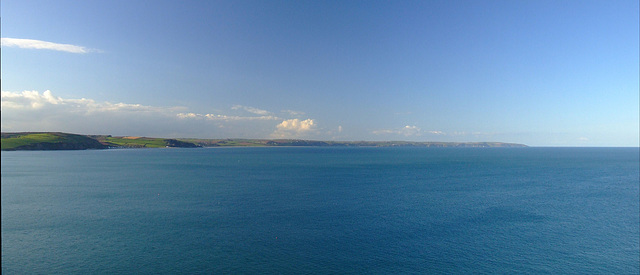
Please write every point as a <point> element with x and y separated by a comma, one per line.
<point>66,141</point>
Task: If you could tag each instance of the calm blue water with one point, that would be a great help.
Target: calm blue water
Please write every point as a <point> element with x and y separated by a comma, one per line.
<point>322,211</point>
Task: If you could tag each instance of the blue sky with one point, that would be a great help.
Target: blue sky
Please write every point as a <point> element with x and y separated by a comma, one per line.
<point>543,73</point>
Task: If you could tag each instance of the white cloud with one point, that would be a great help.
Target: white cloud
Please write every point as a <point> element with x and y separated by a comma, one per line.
<point>294,128</point>
<point>43,45</point>
<point>251,110</point>
<point>296,125</point>
<point>27,99</point>
<point>410,131</point>
<point>189,115</point>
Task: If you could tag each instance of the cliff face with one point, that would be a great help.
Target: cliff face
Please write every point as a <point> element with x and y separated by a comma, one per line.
<point>177,143</point>
<point>62,146</point>
<point>300,142</point>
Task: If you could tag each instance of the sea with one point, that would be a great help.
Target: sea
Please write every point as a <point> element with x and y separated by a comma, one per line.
<point>322,210</point>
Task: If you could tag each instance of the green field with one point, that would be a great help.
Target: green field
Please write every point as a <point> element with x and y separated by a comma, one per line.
<point>48,141</point>
<point>17,141</point>
<point>138,142</point>
<point>65,141</point>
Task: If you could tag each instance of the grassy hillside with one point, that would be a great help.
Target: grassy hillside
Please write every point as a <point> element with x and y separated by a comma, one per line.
<point>142,142</point>
<point>48,141</point>
<point>135,142</point>
<point>65,141</point>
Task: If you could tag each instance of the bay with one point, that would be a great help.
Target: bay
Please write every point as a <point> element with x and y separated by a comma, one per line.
<point>322,210</point>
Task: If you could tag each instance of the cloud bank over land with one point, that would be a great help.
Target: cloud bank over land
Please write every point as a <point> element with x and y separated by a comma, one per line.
<point>33,100</point>
<point>44,111</point>
<point>44,45</point>
<point>35,111</point>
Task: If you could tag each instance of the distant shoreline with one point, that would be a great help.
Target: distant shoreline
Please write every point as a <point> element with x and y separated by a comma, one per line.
<point>43,141</point>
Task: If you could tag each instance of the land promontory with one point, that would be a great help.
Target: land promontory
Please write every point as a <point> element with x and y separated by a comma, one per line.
<point>67,141</point>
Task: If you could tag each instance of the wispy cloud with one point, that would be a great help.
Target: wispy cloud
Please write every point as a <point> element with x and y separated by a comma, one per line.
<point>223,117</point>
<point>251,110</point>
<point>44,45</point>
<point>293,113</point>
<point>406,131</point>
